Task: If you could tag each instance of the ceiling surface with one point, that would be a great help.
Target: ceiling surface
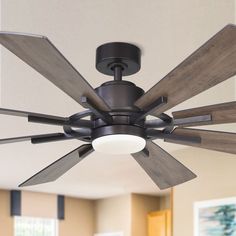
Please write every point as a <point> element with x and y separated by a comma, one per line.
<point>166,31</point>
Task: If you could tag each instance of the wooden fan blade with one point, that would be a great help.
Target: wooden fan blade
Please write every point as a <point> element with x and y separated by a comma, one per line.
<point>38,52</point>
<point>213,140</point>
<point>210,65</point>
<point>59,167</point>
<point>54,119</point>
<point>162,168</point>
<point>220,114</point>
<point>34,138</point>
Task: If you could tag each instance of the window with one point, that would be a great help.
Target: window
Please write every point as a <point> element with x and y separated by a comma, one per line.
<point>29,226</point>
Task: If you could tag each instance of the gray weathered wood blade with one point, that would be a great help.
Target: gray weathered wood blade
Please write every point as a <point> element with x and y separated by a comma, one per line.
<point>26,114</point>
<point>59,167</point>
<point>162,168</point>
<point>46,119</point>
<point>48,137</point>
<point>210,65</point>
<point>220,114</point>
<point>10,112</point>
<point>38,52</point>
<point>213,140</point>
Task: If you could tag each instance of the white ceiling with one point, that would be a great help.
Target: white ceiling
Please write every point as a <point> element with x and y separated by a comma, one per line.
<point>166,31</point>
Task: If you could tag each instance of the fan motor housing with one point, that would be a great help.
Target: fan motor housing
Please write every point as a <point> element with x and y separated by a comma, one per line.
<point>120,95</point>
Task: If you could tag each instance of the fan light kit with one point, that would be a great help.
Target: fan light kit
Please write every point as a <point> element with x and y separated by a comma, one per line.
<point>119,144</point>
<point>117,110</point>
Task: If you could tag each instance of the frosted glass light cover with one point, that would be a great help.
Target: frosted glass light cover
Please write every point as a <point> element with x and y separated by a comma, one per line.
<point>119,144</point>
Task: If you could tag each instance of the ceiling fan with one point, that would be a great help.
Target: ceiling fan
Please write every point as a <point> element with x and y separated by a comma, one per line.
<point>115,117</point>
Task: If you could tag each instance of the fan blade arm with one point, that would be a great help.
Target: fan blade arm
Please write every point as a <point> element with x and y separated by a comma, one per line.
<point>157,134</point>
<point>61,122</point>
<point>38,52</point>
<point>48,119</point>
<point>32,137</point>
<point>220,114</point>
<point>100,114</point>
<point>194,120</point>
<point>59,167</point>
<point>51,138</point>
<point>26,114</point>
<point>212,140</point>
<point>162,168</point>
<point>161,101</point>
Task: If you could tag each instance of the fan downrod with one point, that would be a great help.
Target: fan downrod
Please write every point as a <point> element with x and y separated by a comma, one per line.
<point>118,59</point>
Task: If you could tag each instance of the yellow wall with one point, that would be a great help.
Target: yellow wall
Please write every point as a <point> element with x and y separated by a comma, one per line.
<point>141,206</point>
<point>6,221</point>
<point>216,180</point>
<point>113,215</point>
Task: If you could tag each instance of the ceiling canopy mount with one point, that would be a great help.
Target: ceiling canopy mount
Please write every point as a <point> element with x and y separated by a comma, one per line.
<point>118,59</point>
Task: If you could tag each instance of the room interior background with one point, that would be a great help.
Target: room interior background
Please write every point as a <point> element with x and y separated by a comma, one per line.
<point>125,213</point>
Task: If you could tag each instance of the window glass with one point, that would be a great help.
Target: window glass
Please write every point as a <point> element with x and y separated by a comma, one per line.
<point>29,226</point>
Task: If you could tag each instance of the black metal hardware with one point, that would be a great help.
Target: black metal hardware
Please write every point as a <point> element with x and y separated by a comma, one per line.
<point>164,117</point>
<point>45,120</point>
<point>60,122</point>
<point>154,134</point>
<point>120,95</point>
<point>80,115</point>
<point>186,139</point>
<point>83,134</point>
<point>126,55</point>
<point>153,107</point>
<point>85,151</point>
<point>118,72</point>
<point>145,152</point>
<point>118,129</point>
<point>51,138</point>
<point>99,114</point>
<point>77,121</point>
